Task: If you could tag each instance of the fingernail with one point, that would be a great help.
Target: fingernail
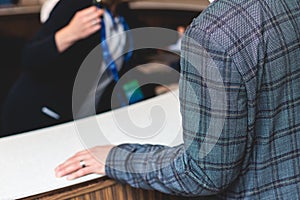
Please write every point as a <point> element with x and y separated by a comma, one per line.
<point>58,174</point>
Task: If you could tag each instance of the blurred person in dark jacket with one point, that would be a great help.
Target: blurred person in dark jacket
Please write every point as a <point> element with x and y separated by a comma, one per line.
<point>42,96</point>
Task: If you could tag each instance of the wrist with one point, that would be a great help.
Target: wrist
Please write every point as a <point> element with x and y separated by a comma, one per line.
<point>64,39</point>
<point>108,158</point>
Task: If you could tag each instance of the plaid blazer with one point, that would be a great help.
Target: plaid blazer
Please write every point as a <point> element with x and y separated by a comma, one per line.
<point>240,104</point>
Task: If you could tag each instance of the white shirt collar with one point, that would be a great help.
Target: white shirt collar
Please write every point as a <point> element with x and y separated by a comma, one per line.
<point>211,1</point>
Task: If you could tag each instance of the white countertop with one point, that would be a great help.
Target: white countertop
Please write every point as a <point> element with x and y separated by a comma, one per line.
<point>28,160</point>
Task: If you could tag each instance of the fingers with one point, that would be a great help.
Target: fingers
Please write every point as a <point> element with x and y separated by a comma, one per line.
<point>73,168</point>
<point>94,162</point>
<point>84,23</point>
<point>91,13</point>
<point>92,10</point>
<point>73,164</point>
<point>81,172</point>
<point>93,27</point>
<point>88,15</point>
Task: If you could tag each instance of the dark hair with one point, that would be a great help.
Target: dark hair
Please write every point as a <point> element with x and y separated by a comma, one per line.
<point>111,3</point>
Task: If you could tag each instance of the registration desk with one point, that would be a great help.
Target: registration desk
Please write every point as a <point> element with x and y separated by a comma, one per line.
<point>28,160</point>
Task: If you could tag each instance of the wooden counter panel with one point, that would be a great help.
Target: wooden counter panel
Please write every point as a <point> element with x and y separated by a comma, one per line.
<point>102,188</point>
<point>105,189</point>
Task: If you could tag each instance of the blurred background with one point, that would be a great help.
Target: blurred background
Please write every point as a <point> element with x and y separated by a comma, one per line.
<point>20,20</point>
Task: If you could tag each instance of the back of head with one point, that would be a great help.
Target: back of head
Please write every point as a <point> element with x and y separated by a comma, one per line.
<point>111,3</point>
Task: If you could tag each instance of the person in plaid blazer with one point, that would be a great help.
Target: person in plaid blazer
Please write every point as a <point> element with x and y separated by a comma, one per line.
<point>240,105</point>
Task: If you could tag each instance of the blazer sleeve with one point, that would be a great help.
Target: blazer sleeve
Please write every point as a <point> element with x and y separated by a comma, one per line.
<point>214,114</point>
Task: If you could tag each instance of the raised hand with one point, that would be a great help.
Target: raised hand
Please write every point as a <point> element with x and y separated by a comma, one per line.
<point>83,24</point>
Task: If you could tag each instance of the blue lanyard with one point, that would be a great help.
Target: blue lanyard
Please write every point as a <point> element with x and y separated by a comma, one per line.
<point>109,61</point>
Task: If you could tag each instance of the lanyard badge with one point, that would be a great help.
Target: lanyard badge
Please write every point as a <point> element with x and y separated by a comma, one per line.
<point>107,57</point>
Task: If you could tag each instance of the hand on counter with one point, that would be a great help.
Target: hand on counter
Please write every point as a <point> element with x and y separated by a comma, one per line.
<point>84,162</point>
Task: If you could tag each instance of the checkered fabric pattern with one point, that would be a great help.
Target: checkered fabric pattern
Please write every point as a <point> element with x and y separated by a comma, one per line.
<point>240,104</point>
